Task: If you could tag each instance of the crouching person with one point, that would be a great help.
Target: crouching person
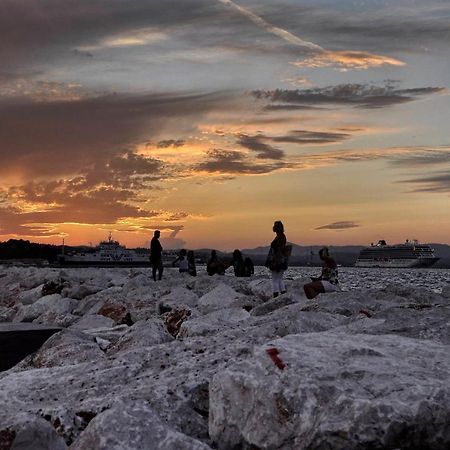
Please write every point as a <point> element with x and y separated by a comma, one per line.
<point>328,280</point>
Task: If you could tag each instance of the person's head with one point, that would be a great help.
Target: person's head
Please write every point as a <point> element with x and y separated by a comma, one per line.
<point>157,234</point>
<point>213,254</point>
<point>278,227</point>
<point>237,254</point>
<point>324,253</point>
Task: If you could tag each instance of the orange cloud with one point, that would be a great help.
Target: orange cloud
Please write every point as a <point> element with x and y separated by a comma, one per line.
<point>347,60</point>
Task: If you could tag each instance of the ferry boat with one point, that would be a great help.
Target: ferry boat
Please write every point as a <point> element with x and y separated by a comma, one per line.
<point>409,254</point>
<point>107,253</point>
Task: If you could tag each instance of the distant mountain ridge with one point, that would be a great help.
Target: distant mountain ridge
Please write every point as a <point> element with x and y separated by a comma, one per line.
<point>18,249</point>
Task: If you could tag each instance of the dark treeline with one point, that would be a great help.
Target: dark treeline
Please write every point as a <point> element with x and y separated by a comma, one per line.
<point>21,249</point>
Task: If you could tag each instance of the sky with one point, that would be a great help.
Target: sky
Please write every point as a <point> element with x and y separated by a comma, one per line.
<point>211,119</point>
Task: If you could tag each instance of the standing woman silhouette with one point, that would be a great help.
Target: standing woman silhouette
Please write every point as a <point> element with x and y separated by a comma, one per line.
<point>276,260</point>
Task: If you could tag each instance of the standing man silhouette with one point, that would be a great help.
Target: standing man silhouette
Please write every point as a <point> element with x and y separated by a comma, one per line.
<point>156,255</point>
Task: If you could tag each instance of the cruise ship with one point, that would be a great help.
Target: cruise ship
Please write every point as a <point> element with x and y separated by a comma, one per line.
<point>107,253</point>
<point>409,254</point>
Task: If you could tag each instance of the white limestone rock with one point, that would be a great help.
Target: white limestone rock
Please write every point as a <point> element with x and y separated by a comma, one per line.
<point>30,296</point>
<point>222,296</point>
<point>142,334</point>
<point>261,288</point>
<point>53,303</point>
<point>92,321</point>
<point>27,432</point>
<point>64,348</point>
<point>80,291</point>
<point>336,391</point>
<point>213,322</point>
<point>133,426</point>
<point>179,297</point>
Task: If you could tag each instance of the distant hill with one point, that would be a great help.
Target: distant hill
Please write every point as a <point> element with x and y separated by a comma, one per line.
<point>19,249</point>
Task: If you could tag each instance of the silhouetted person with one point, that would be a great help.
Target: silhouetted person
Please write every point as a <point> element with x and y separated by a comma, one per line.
<point>191,263</point>
<point>249,267</point>
<point>277,259</point>
<point>156,255</point>
<point>215,265</point>
<point>183,265</point>
<point>328,280</point>
<point>242,267</point>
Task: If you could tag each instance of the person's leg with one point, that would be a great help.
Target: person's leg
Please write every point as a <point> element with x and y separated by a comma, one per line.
<point>154,268</point>
<point>313,289</point>
<point>160,270</point>
<point>275,283</point>
<point>281,283</point>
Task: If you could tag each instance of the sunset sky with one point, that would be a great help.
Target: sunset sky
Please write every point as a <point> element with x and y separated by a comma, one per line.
<point>210,119</point>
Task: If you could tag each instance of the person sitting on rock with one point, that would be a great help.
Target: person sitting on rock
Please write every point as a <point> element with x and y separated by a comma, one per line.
<point>191,263</point>
<point>183,264</point>
<point>215,265</point>
<point>328,280</point>
<point>242,268</point>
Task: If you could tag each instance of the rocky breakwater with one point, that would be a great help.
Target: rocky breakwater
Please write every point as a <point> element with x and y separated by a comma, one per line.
<point>213,362</point>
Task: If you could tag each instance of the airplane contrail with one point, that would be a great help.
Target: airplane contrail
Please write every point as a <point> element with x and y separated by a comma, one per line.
<point>283,34</point>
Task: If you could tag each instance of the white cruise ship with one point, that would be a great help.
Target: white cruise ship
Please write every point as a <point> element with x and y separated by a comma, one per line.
<point>108,253</point>
<point>409,254</point>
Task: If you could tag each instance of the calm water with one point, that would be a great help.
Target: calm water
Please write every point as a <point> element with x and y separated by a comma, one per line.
<point>352,278</point>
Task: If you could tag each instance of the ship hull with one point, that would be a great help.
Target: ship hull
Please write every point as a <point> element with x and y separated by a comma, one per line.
<point>397,263</point>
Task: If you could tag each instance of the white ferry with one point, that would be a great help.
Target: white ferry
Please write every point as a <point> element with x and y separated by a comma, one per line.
<point>107,253</point>
<point>409,254</point>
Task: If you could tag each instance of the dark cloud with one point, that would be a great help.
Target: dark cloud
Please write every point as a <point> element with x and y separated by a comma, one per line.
<point>437,183</point>
<point>73,135</point>
<point>358,95</point>
<point>256,144</point>
<point>170,143</point>
<point>234,162</point>
<point>288,107</point>
<point>303,137</point>
<point>425,157</point>
<point>344,225</point>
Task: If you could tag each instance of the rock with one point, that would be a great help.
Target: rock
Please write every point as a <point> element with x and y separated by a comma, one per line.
<point>80,291</point>
<point>92,321</point>
<point>273,304</point>
<point>174,319</point>
<point>336,391</point>
<point>262,288</point>
<point>115,311</point>
<point>30,433</point>
<point>30,296</point>
<point>179,297</point>
<point>214,322</point>
<point>222,296</point>
<point>52,287</point>
<point>50,303</point>
<point>111,335</point>
<point>52,318</point>
<point>142,334</point>
<point>65,348</point>
<point>446,291</point>
<point>133,426</point>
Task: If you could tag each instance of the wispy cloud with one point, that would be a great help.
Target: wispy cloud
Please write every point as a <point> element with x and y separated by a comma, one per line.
<point>280,32</point>
<point>436,183</point>
<point>347,60</point>
<point>359,95</point>
<point>343,225</point>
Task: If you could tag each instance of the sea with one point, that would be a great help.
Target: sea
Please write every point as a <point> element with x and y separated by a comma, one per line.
<point>357,278</point>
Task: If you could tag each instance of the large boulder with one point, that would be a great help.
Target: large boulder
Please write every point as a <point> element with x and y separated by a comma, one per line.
<point>133,426</point>
<point>334,391</point>
<point>214,322</point>
<point>50,303</point>
<point>92,321</point>
<point>222,296</point>
<point>27,432</point>
<point>179,297</point>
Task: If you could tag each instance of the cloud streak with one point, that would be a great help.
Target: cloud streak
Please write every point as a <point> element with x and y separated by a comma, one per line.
<point>343,225</point>
<point>357,95</point>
